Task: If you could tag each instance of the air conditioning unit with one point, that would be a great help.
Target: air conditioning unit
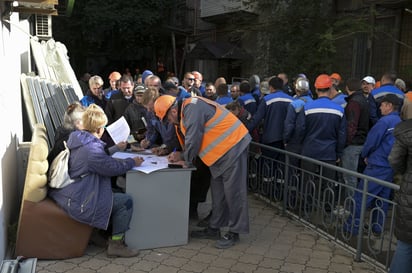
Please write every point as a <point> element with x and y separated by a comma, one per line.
<point>44,26</point>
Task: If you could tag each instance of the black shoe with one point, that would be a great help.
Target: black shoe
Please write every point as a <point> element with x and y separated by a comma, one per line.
<point>228,240</point>
<point>205,221</point>
<point>98,239</point>
<point>207,233</point>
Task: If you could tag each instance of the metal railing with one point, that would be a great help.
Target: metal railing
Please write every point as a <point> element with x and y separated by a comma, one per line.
<point>319,198</point>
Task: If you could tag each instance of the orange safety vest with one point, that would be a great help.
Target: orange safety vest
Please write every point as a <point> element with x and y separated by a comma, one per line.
<point>222,132</point>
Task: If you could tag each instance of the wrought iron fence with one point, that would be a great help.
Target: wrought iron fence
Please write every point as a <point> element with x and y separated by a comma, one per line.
<point>315,193</point>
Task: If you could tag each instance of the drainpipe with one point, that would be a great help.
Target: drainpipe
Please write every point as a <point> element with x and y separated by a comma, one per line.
<point>371,37</point>
<point>69,9</point>
<point>395,45</point>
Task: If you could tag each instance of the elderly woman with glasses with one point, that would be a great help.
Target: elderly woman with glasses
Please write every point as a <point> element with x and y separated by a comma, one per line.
<point>90,199</point>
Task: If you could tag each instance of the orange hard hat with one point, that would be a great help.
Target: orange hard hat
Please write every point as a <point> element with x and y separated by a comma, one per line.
<point>115,76</point>
<point>162,104</point>
<point>323,81</point>
<point>336,76</point>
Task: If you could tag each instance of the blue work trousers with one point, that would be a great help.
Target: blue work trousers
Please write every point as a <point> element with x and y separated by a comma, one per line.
<point>374,189</point>
<point>402,259</point>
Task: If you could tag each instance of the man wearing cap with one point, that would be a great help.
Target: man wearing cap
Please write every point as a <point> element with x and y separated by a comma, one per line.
<point>324,132</point>
<point>367,84</point>
<point>375,152</point>
<point>210,131</point>
<point>135,113</point>
<point>146,74</point>
<point>200,178</point>
<point>387,87</point>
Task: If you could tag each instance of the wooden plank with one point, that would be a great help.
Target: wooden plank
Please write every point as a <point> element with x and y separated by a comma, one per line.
<point>43,2</point>
<point>42,11</point>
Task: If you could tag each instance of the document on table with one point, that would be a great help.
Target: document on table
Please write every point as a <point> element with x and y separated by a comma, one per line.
<point>150,164</point>
<point>119,130</point>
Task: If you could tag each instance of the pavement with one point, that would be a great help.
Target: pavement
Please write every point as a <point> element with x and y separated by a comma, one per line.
<point>275,244</point>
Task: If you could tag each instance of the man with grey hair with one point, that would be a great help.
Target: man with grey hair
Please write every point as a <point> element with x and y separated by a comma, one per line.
<point>95,93</point>
<point>198,82</point>
<point>254,82</point>
<point>400,84</point>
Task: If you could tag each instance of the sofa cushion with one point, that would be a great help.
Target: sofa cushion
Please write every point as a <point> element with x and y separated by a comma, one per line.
<point>35,187</point>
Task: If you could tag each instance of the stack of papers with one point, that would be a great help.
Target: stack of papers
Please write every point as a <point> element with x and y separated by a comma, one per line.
<point>150,164</point>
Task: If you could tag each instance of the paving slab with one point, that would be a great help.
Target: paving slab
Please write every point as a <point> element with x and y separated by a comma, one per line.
<point>275,244</point>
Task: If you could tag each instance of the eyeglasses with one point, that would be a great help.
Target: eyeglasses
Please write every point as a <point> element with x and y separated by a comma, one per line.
<point>190,79</point>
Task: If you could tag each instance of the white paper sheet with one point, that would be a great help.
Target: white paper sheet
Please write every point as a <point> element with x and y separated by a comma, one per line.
<point>150,164</point>
<point>119,130</point>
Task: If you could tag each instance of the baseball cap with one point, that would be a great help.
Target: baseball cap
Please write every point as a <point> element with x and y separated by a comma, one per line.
<point>369,79</point>
<point>391,98</point>
<point>139,88</point>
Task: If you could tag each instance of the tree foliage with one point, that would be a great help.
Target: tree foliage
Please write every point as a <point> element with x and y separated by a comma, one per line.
<point>303,34</point>
<point>111,27</point>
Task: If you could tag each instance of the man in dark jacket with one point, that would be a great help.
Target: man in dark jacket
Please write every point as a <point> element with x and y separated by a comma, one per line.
<point>357,127</point>
<point>118,102</point>
<point>400,159</point>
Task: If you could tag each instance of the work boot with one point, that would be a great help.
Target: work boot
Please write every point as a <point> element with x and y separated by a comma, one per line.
<point>227,240</point>
<point>118,248</point>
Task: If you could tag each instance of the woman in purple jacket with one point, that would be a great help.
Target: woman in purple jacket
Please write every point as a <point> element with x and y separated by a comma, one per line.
<point>90,198</point>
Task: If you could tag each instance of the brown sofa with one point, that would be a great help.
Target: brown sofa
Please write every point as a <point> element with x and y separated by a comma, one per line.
<point>45,231</point>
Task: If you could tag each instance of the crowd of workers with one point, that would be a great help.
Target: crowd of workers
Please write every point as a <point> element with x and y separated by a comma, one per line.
<point>350,123</point>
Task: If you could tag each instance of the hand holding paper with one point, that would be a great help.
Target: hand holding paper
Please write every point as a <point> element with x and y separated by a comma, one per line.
<point>119,130</point>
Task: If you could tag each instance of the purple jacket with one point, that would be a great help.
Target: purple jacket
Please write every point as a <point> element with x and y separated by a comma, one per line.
<point>89,199</point>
